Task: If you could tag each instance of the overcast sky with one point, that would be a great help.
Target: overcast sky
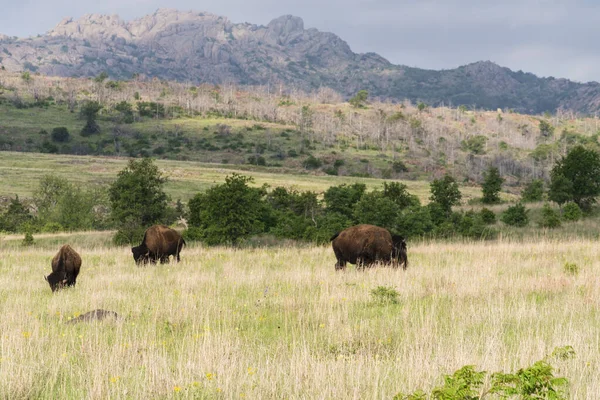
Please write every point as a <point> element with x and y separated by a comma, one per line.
<point>547,37</point>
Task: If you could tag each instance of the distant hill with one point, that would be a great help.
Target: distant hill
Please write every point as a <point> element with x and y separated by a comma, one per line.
<point>201,47</point>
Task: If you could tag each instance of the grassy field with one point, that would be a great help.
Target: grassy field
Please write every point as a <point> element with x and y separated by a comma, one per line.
<point>280,323</point>
<point>21,173</point>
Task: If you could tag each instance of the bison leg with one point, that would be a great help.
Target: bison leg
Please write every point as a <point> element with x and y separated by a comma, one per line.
<point>164,260</point>
<point>340,264</point>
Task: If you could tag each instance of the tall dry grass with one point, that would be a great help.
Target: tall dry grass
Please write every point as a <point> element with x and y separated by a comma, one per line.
<point>281,323</point>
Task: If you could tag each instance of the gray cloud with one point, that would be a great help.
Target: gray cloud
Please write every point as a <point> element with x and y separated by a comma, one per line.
<point>546,37</point>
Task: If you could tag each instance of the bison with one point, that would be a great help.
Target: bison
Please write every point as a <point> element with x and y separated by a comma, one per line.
<point>159,243</point>
<point>65,268</point>
<point>364,245</point>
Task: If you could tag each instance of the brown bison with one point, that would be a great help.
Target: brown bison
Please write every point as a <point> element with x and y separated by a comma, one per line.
<point>159,243</point>
<point>364,245</point>
<point>65,268</point>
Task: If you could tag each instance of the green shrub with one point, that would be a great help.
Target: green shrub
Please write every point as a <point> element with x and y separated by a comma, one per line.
<point>52,227</point>
<point>571,268</point>
<point>28,239</point>
<point>572,212</point>
<point>534,382</point>
<point>312,163</point>
<point>60,134</point>
<point>487,216</point>
<point>550,218</point>
<point>516,216</point>
<point>129,235</point>
<point>534,191</point>
<point>385,295</point>
<point>398,166</point>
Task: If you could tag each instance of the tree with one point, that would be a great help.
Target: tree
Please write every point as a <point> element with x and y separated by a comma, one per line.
<point>342,198</point>
<point>376,209</point>
<point>492,184</point>
<point>16,217</point>
<point>60,134</point>
<point>48,194</point>
<point>137,197</point>
<point>561,190</point>
<point>229,212</point>
<point>581,167</point>
<point>534,191</point>
<point>90,112</point>
<point>445,192</point>
<point>359,100</point>
<point>546,129</point>
<point>102,76</point>
<point>398,193</point>
<point>126,110</point>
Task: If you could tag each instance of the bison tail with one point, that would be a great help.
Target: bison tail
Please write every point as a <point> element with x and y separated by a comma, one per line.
<point>334,236</point>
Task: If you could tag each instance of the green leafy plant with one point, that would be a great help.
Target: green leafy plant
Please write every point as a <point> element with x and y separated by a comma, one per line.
<point>385,295</point>
<point>571,268</point>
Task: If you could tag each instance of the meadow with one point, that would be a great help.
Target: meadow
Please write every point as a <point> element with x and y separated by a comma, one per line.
<point>21,173</point>
<point>279,322</point>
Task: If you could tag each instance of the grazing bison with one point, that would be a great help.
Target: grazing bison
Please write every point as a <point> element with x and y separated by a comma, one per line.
<point>364,245</point>
<point>159,243</point>
<point>65,268</point>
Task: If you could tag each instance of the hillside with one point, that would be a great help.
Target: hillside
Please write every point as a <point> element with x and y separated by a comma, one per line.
<point>204,48</point>
<point>287,133</point>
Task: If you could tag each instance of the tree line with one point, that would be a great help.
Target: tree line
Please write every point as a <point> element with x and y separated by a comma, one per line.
<point>234,211</point>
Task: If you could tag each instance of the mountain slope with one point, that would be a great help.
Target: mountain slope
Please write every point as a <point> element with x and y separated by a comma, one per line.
<point>201,47</point>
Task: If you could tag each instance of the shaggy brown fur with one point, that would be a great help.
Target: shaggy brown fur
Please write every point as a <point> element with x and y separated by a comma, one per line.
<point>95,315</point>
<point>159,243</point>
<point>65,268</point>
<point>364,245</point>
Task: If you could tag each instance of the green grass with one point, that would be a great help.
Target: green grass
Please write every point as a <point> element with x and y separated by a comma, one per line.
<point>21,173</point>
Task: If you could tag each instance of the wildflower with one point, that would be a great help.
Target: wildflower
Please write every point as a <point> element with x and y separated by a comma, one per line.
<point>177,389</point>
<point>219,390</point>
<point>209,376</point>
<point>322,326</point>
<point>114,379</point>
<point>250,371</point>
<point>26,334</point>
<point>196,383</point>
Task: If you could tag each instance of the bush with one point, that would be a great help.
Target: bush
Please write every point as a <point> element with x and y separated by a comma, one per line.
<point>129,235</point>
<point>516,216</point>
<point>312,163</point>
<point>414,221</point>
<point>230,212</point>
<point>534,191</point>
<point>550,218</point>
<point>385,295</point>
<point>60,134</point>
<point>534,382</point>
<point>571,268</point>
<point>376,209</point>
<point>398,166</point>
<point>487,216</point>
<point>28,239</point>
<point>52,227</point>
<point>572,212</point>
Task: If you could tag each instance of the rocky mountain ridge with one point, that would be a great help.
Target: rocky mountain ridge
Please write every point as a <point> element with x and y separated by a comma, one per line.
<point>200,47</point>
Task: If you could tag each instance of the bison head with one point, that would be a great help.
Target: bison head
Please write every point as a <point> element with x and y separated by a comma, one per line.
<point>400,253</point>
<point>56,281</point>
<point>141,255</point>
